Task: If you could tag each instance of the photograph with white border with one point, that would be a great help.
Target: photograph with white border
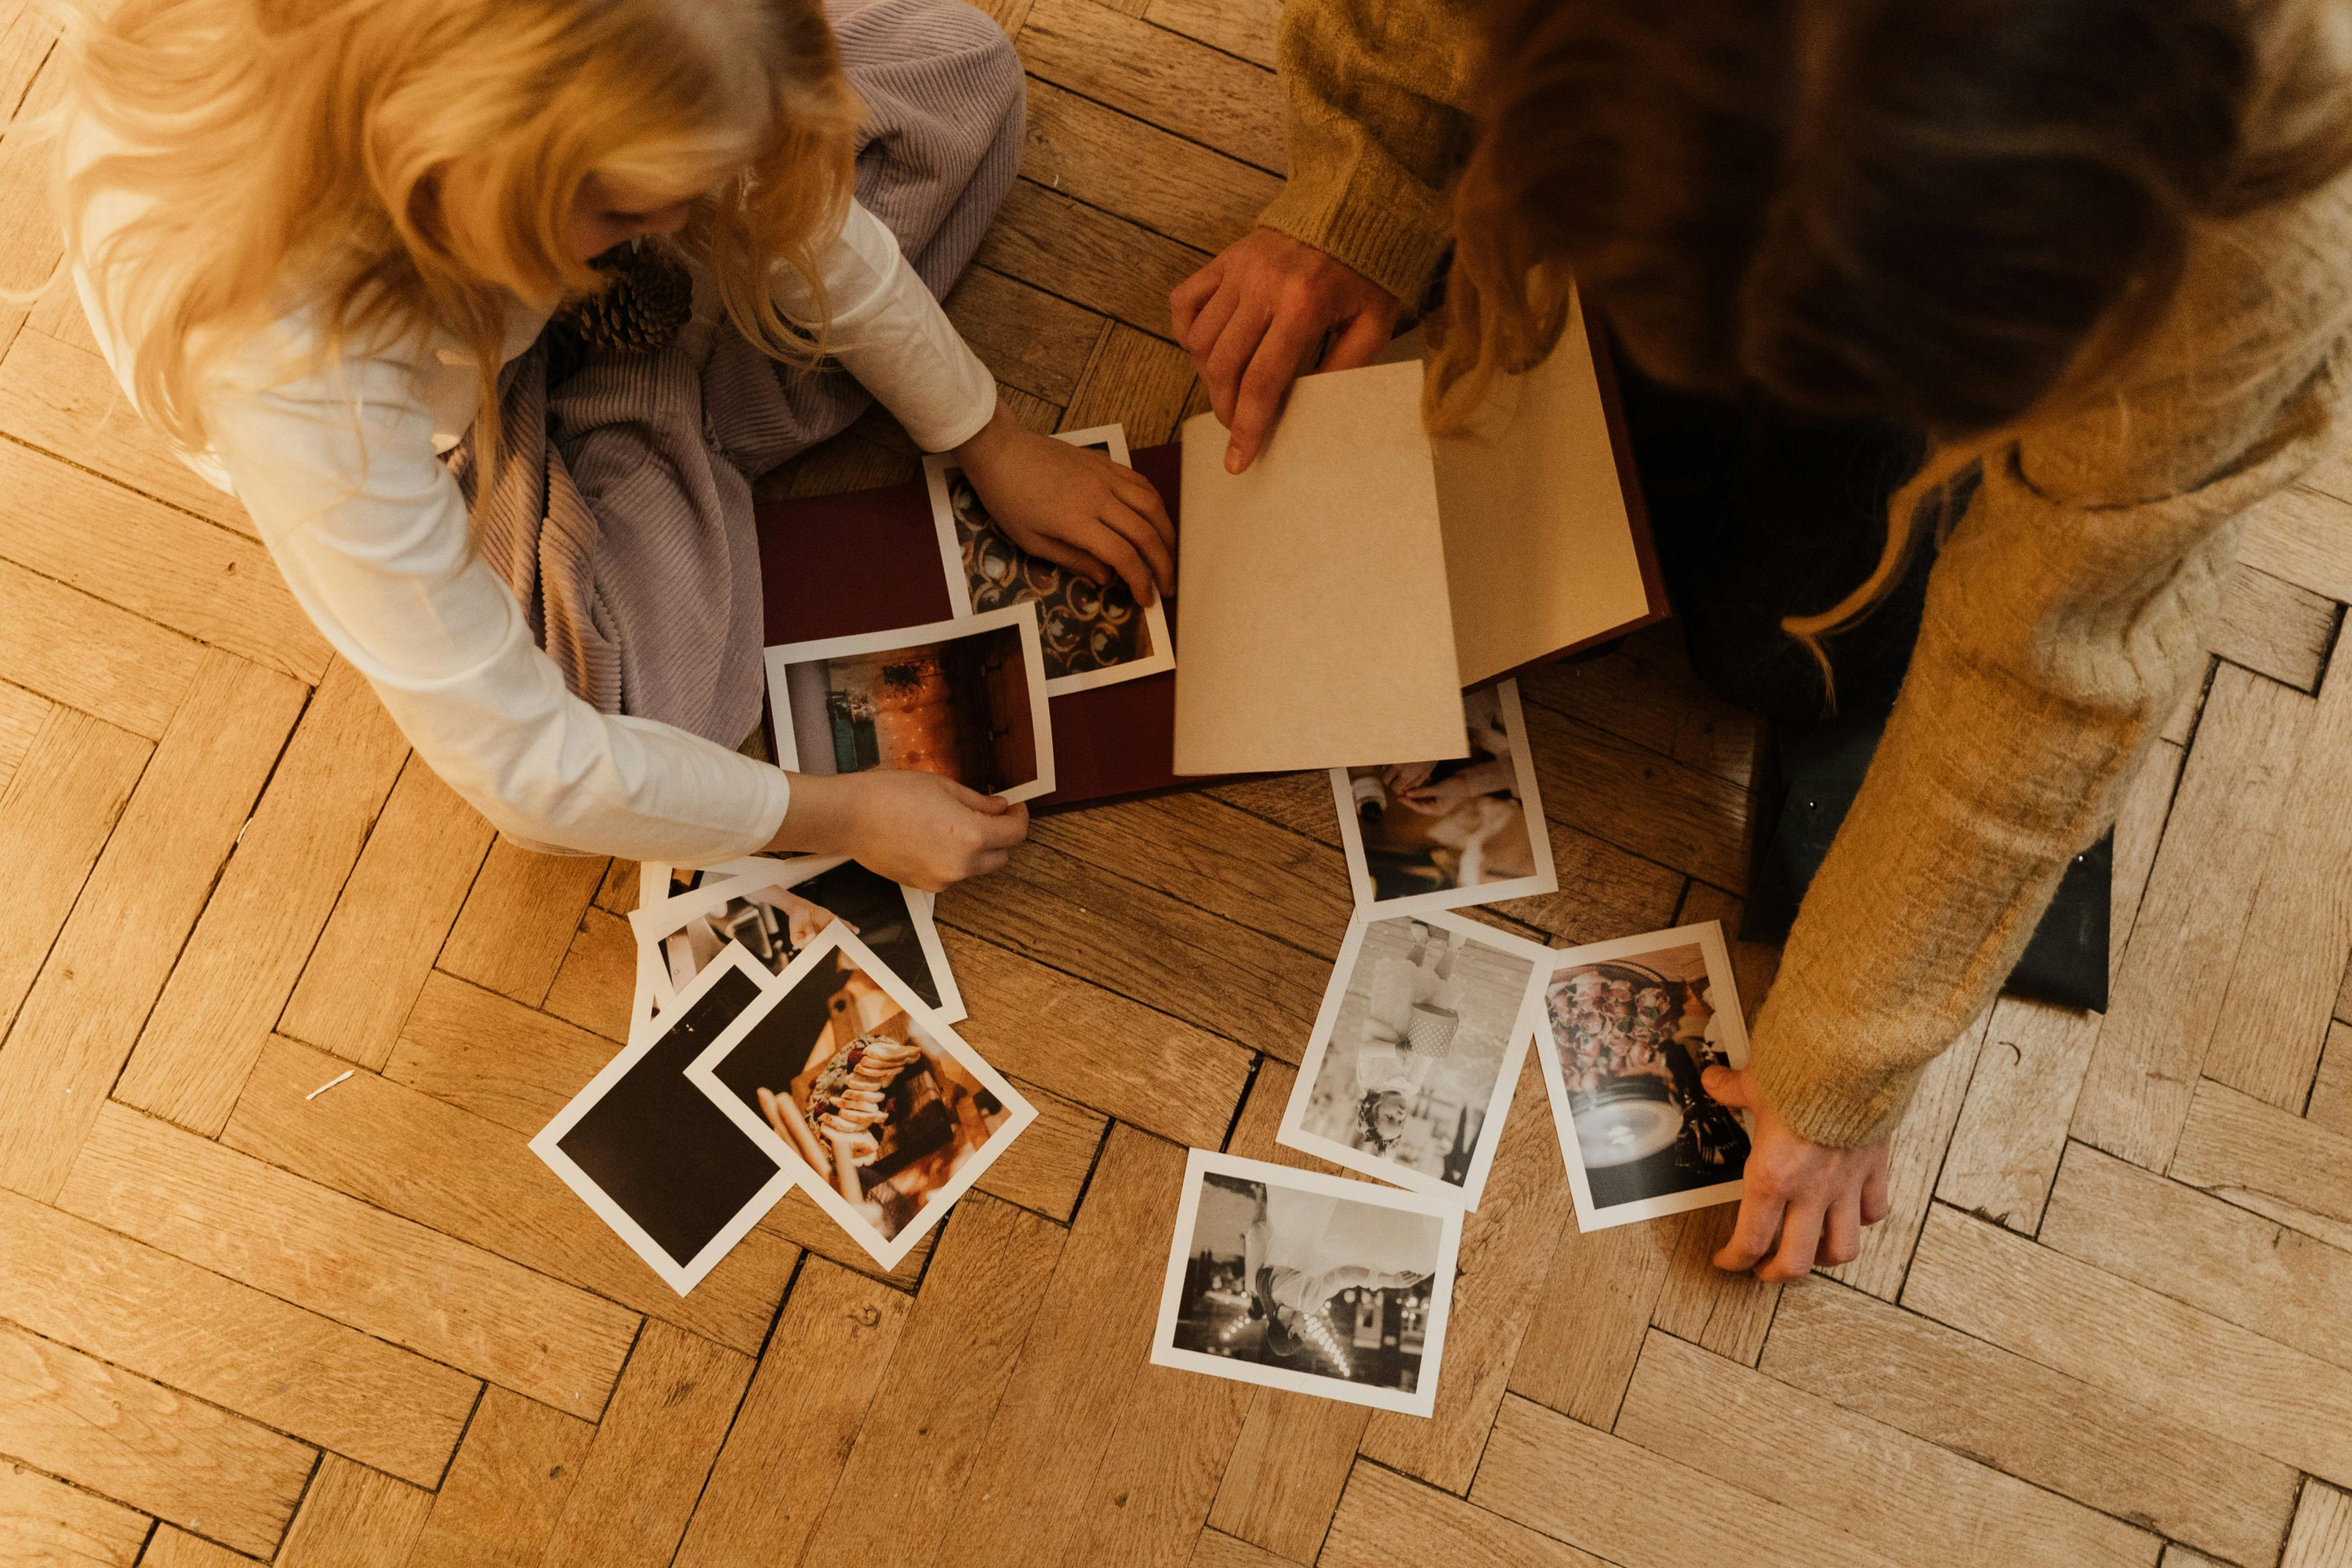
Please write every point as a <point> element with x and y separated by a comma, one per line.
<point>963,699</point>
<point>1443,834</point>
<point>778,907</point>
<point>883,1111</point>
<point>673,1176</point>
<point>1092,635</point>
<point>1628,1027</point>
<point>1416,1051</point>
<point>1312,1283</point>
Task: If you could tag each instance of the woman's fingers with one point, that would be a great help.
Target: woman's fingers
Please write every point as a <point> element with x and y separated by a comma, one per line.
<point>1144,497</point>
<point>1841,1234</point>
<point>1236,346</point>
<point>1109,544</point>
<point>1875,1203</point>
<point>1185,300</point>
<point>1751,1235</point>
<point>1138,531</point>
<point>1800,1236</point>
<point>1005,829</point>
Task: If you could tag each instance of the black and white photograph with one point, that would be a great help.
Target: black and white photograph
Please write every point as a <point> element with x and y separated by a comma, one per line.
<point>1628,1029</point>
<point>671,1174</point>
<point>1092,634</point>
<point>963,699</point>
<point>1417,1050</point>
<point>1463,830</point>
<point>777,910</point>
<point>1313,1283</point>
<point>842,1074</point>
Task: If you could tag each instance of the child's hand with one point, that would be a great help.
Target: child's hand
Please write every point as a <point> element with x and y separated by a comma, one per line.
<point>912,827</point>
<point>1073,507</point>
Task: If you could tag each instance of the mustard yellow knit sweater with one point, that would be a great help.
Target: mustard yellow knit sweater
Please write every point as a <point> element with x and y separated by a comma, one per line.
<point>2066,615</point>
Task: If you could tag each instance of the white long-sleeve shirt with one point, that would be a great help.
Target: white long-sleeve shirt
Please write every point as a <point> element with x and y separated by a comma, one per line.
<point>342,472</point>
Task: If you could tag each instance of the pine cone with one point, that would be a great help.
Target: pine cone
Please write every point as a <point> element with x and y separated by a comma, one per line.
<point>640,310</point>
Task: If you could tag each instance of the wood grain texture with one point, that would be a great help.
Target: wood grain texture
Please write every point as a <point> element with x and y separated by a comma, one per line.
<point>506,1487</point>
<point>2032,1421</point>
<point>2298,534</point>
<point>2163,1007</point>
<point>1089,153</point>
<point>77,1026</point>
<point>2148,1348</point>
<point>1216,1549</point>
<point>2269,1161</point>
<point>1134,381</point>
<point>344,1259</point>
<point>2322,1529</point>
<point>354,1516</point>
<point>1182,87</point>
<point>518,920</point>
<point>431,1162</point>
<point>147,1445</point>
<point>1587,1323</point>
<point>44,1523</point>
<point>176,1548</point>
<point>1389,1519</point>
<point>87,654</point>
<point>1244,28</point>
<point>652,1453</point>
<point>1920,1140</point>
<point>1091,258</point>
<point>1030,339</point>
<point>1914,1502</point>
<point>597,981</point>
<point>1645,691</point>
<point>923,1434</point>
<point>264,916</point>
<point>2330,1105</point>
<point>59,805</point>
<point>22,714</point>
<point>798,1420</point>
<point>1727,1313</point>
<point>1639,800</point>
<point>2275,627</point>
<point>389,919</point>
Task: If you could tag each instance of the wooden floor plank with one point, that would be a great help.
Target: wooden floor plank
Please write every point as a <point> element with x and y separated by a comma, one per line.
<point>2299,534</point>
<point>86,654</point>
<point>595,986</point>
<point>652,1453</point>
<point>265,915</point>
<point>165,1319</point>
<point>339,1258</point>
<point>517,922</point>
<point>1048,1166</point>
<point>1914,1502</point>
<point>1586,1327</point>
<point>431,1162</point>
<point>2033,1422</point>
<point>55,815</point>
<point>2138,1344</point>
<point>1217,1550</point>
<point>800,1419</point>
<point>2268,1160</point>
<point>506,1487</point>
<point>2275,627</point>
<point>174,1548</point>
<point>1386,1519</point>
<point>1727,1313</point>
<point>22,715</point>
<point>44,1523</point>
<point>144,1445</point>
<point>1035,340</point>
<point>2216,1257</point>
<point>389,919</point>
<point>1244,28</point>
<point>1920,1140</point>
<point>354,1516</point>
<point>2330,1105</point>
<point>1090,154</point>
<point>1182,87</point>
<point>77,1024</point>
<point>1629,795</point>
<point>1134,381</point>
<point>1638,1510</point>
<point>2164,1004</point>
<point>1088,256</point>
<point>1645,691</point>
<point>923,1432</point>
<point>2322,1529</point>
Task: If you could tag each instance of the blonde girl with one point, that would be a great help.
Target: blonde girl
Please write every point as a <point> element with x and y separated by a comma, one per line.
<point>321,241</point>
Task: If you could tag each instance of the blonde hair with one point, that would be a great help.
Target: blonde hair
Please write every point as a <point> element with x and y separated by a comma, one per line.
<point>395,165</point>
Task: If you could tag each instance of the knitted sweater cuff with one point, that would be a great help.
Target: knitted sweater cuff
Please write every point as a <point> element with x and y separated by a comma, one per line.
<point>1377,231</point>
<point>1821,1098</point>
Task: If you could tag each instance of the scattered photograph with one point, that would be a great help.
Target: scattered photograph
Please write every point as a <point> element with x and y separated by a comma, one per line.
<point>1417,1050</point>
<point>1438,836</point>
<point>1627,1028</point>
<point>1298,1280</point>
<point>776,910</point>
<point>672,1175</point>
<point>844,1075</point>
<point>1091,636</point>
<point>965,699</point>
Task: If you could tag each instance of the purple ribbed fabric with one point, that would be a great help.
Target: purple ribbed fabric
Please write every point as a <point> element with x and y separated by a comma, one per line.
<point>621,514</point>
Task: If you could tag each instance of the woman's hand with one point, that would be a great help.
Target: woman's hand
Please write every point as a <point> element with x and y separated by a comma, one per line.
<point>913,827</point>
<point>1073,506</point>
<point>1813,1199</point>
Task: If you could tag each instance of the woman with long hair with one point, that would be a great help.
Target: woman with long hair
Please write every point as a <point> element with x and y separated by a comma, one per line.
<point>1958,335</point>
<point>490,311</point>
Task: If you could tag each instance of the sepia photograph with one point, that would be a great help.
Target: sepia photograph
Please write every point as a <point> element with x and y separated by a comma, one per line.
<point>1628,1027</point>
<point>1092,635</point>
<point>963,699</point>
<point>1441,835</point>
<point>778,910</point>
<point>673,1176</point>
<point>1416,1051</point>
<point>1313,1283</point>
<point>844,1075</point>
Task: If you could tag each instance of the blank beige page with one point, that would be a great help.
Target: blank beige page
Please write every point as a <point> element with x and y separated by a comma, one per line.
<point>1538,549</point>
<point>1315,630</point>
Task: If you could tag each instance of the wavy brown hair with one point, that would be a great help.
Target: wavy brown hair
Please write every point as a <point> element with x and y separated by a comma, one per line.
<point>1956,216</point>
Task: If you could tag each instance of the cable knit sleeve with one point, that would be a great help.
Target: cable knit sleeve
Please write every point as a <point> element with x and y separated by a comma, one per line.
<point>2066,617</point>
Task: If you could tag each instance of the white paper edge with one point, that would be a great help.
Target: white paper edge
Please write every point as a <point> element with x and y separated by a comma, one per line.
<point>1708,935</point>
<point>890,1254</point>
<point>1155,617</point>
<point>1545,879</point>
<point>684,1277</point>
<point>1422,1400</point>
<point>1524,1021</point>
<point>1023,614</point>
